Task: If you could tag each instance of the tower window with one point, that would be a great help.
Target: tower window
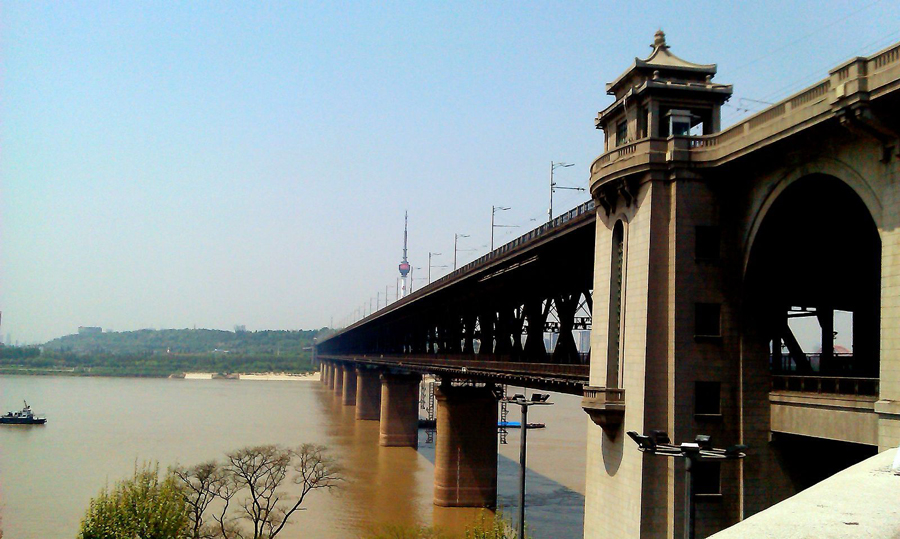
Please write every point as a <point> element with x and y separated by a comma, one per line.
<point>707,398</point>
<point>643,122</point>
<point>621,133</point>
<point>707,478</point>
<point>617,264</point>
<point>707,319</point>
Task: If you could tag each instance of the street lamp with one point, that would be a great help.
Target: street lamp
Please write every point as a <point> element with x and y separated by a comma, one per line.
<point>700,449</point>
<point>455,250</point>
<point>537,399</point>
<point>553,166</point>
<point>494,210</point>
<point>430,254</point>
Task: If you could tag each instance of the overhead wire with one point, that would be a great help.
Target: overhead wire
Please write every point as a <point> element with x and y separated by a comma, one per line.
<point>808,35</point>
<point>740,111</point>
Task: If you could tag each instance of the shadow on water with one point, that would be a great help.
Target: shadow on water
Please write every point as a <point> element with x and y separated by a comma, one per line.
<point>394,484</point>
<point>553,510</point>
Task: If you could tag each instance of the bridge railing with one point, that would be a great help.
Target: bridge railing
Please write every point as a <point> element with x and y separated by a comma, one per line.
<point>545,228</point>
<point>835,385</point>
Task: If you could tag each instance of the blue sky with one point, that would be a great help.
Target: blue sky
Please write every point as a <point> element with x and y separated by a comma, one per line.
<point>212,164</point>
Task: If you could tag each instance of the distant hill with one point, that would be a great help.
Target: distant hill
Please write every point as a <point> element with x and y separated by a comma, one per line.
<point>185,341</point>
<point>165,352</point>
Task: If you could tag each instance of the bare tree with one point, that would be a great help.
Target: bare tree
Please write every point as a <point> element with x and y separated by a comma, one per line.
<point>264,474</point>
<point>315,470</point>
<point>201,486</point>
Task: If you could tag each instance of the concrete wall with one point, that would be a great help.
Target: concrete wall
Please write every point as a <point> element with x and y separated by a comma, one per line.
<point>613,500</point>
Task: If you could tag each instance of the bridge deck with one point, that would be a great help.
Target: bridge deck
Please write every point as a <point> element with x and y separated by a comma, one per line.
<point>550,376</point>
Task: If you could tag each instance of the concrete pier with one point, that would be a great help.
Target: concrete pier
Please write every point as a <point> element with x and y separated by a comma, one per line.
<point>368,394</point>
<point>338,383</point>
<point>465,464</point>
<point>400,410</point>
<point>348,395</point>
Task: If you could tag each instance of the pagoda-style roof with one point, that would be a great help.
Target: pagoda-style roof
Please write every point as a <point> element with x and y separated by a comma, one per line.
<point>665,64</point>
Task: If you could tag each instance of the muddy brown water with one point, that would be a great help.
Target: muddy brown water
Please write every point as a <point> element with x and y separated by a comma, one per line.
<point>98,429</point>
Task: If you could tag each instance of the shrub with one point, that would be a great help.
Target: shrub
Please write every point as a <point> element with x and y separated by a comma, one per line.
<point>142,506</point>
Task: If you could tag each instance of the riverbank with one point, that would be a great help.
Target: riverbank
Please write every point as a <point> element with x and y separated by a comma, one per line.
<point>101,372</point>
<point>264,376</point>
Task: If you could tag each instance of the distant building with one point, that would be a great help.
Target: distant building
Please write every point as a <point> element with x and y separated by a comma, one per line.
<point>89,330</point>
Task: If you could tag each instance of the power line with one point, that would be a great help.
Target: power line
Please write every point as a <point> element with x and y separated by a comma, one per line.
<point>810,34</point>
<point>809,78</point>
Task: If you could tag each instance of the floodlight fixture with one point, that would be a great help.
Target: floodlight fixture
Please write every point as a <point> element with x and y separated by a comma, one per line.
<point>701,449</point>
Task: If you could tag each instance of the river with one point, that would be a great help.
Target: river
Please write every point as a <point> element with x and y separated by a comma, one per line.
<point>98,429</point>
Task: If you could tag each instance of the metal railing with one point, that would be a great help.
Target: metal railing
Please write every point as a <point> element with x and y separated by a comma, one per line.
<point>835,385</point>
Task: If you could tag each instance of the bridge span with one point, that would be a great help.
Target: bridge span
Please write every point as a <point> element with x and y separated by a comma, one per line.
<point>698,254</point>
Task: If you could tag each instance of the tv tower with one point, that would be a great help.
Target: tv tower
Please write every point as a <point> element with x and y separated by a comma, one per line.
<point>404,264</point>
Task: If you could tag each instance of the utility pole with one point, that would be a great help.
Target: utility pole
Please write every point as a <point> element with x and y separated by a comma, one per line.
<point>455,240</point>
<point>494,210</point>
<point>553,166</point>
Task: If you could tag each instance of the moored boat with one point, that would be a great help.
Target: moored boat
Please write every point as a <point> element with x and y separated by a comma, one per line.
<point>24,417</point>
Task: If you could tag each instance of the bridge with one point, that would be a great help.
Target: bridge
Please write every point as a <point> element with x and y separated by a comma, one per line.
<point>700,250</point>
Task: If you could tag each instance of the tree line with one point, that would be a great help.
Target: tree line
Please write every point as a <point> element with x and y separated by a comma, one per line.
<point>165,352</point>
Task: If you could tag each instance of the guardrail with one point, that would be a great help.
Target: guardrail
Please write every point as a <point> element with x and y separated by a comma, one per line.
<point>836,385</point>
<point>545,228</point>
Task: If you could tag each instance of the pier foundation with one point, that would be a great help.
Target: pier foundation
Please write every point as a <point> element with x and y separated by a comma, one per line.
<point>338,376</point>
<point>399,410</point>
<point>348,395</point>
<point>465,464</point>
<point>326,372</point>
<point>368,394</point>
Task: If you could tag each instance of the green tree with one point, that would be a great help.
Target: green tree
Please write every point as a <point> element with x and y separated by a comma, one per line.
<point>143,506</point>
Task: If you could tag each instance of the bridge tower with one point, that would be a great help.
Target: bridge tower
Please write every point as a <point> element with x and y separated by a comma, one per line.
<point>708,242</point>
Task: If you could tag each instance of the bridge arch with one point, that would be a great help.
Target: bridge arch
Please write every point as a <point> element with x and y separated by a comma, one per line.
<point>829,167</point>
<point>816,249</point>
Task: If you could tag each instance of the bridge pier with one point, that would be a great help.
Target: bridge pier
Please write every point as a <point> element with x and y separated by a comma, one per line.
<point>348,394</point>
<point>368,394</point>
<point>465,463</point>
<point>399,410</point>
<point>338,384</point>
<point>326,374</point>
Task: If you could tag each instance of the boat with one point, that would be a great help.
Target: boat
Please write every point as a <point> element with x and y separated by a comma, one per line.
<point>25,417</point>
<point>518,425</point>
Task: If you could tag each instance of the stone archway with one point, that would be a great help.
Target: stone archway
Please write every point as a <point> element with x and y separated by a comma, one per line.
<point>817,250</point>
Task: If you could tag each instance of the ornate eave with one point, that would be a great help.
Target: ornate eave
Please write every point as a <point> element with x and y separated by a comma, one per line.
<point>685,88</point>
<point>663,61</point>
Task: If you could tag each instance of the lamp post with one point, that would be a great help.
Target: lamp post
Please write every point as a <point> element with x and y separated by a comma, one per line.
<point>455,250</point>
<point>430,254</point>
<point>494,210</point>
<point>553,166</point>
<point>700,449</point>
<point>537,399</point>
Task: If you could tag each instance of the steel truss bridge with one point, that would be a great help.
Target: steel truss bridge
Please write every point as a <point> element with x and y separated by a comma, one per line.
<point>487,321</point>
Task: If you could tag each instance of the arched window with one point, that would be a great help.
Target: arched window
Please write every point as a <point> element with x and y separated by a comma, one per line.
<point>617,265</point>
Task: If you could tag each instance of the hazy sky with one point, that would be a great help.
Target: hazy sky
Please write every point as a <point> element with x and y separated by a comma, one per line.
<point>176,164</point>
